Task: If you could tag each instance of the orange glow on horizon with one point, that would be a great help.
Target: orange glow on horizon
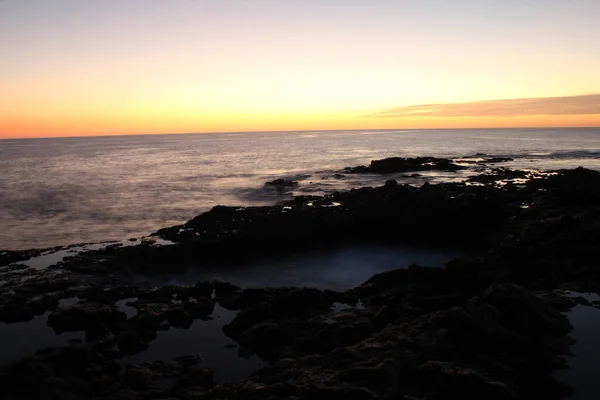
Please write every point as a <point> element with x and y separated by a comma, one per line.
<point>160,124</point>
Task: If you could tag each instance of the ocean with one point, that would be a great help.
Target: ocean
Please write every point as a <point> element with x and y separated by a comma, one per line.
<point>61,191</point>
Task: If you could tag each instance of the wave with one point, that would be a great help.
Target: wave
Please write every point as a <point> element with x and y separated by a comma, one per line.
<point>577,154</point>
<point>566,154</point>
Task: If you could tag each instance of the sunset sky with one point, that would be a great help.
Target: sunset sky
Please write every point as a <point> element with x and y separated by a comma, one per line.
<point>78,67</point>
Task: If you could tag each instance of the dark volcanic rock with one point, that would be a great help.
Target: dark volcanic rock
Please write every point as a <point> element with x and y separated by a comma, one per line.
<point>289,301</point>
<point>400,164</point>
<point>334,176</point>
<point>495,160</point>
<point>485,160</point>
<point>75,373</point>
<point>224,290</point>
<point>16,313</point>
<point>43,284</point>
<point>196,376</point>
<point>480,327</point>
<point>85,317</point>
<point>199,309</point>
<point>450,216</point>
<point>179,318</point>
<point>108,296</point>
<point>498,174</point>
<point>278,321</point>
<point>131,342</point>
<point>63,373</point>
<point>203,289</point>
<point>282,183</point>
<point>440,355</point>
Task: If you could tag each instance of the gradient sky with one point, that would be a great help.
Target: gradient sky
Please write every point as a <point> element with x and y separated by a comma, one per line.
<point>74,67</point>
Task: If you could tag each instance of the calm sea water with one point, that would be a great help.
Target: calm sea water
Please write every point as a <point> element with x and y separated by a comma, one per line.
<point>73,190</point>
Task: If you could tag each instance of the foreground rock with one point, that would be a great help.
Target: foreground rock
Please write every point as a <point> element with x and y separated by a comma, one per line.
<point>440,355</point>
<point>481,327</point>
<point>77,373</point>
<point>416,332</point>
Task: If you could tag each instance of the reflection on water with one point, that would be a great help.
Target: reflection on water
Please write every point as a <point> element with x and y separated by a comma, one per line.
<point>53,257</point>
<point>338,269</point>
<point>122,305</point>
<point>207,339</point>
<point>339,307</point>
<point>584,372</point>
<point>23,339</point>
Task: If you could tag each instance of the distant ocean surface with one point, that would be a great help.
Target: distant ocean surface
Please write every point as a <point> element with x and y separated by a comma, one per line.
<point>75,190</point>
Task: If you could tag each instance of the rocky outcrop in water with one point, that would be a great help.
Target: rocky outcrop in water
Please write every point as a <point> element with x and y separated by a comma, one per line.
<point>281,184</point>
<point>399,164</point>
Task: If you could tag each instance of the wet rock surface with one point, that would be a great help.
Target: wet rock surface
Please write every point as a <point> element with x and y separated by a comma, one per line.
<point>485,326</point>
<point>505,175</point>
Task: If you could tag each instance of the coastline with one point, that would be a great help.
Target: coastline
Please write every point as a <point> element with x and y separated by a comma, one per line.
<point>118,188</point>
<point>484,326</point>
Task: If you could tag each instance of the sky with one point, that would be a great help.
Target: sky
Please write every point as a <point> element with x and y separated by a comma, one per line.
<point>73,67</point>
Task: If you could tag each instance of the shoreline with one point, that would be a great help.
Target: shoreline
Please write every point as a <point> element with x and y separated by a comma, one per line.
<point>73,200</point>
<point>489,326</point>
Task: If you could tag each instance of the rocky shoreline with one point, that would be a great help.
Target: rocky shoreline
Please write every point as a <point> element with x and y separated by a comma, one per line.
<point>490,325</point>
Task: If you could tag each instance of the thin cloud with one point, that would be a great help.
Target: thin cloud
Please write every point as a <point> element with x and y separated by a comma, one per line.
<point>566,105</point>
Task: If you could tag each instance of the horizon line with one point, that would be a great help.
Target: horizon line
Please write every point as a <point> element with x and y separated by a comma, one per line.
<point>297,130</point>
